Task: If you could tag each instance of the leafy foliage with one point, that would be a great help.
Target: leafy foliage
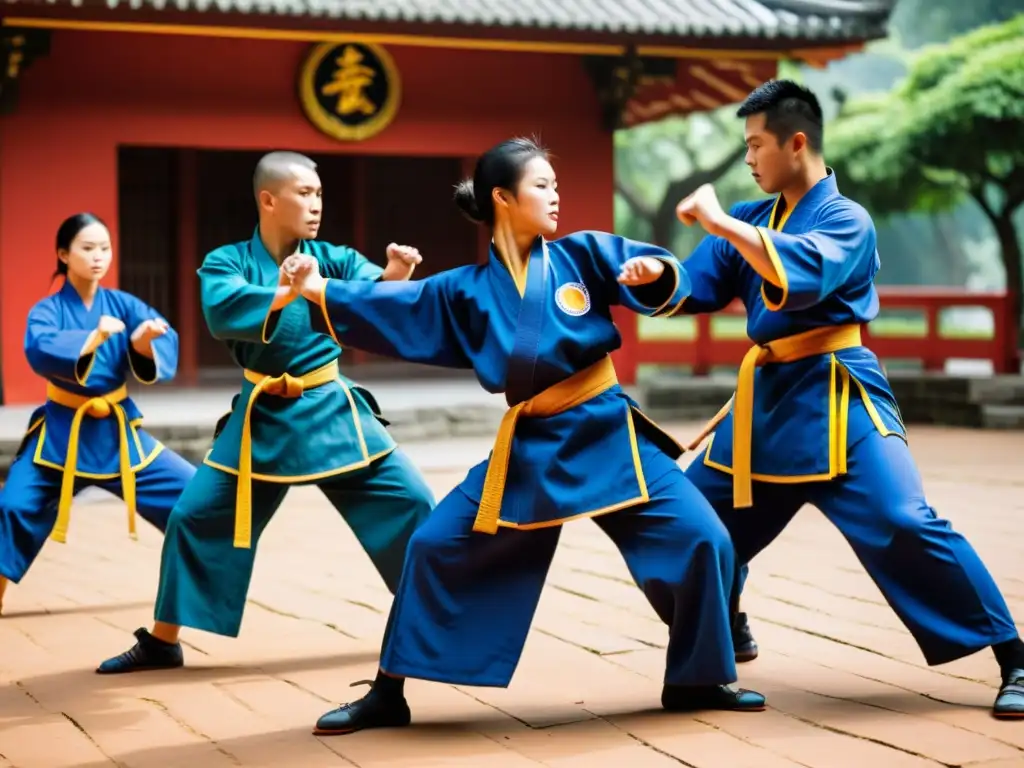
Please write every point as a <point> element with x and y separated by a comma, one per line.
<point>921,22</point>
<point>951,128</point>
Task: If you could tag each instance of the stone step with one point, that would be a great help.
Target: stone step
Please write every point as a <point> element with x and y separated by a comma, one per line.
<point>1002,416</point>
<point>980,390</point>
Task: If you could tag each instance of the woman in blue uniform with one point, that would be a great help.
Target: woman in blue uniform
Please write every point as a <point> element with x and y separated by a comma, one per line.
<point>535,323</point>
<point>86,341</point>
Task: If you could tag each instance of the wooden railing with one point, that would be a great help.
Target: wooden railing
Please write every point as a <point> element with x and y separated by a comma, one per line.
<point>927,343</point>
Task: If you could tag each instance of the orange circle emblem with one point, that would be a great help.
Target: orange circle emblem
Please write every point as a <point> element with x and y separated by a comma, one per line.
<point>573,299</point>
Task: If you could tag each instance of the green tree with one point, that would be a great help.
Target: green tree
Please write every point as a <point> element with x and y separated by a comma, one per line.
<point>660,164</point>
<point>950,130</point>
<point>920,22</point>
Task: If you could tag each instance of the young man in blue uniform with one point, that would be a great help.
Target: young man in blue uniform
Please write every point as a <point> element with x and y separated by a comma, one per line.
<point>813,420</point>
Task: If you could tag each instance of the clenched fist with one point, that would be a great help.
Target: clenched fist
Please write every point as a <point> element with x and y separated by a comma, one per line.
<point>144,333</point>
<point>304,273</point>
<point>402,260</point>
<point>702,207</point>
<point>108,325</point>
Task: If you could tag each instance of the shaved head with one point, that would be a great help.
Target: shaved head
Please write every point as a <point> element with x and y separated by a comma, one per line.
<point>277,167</point>
<point>289,195</point>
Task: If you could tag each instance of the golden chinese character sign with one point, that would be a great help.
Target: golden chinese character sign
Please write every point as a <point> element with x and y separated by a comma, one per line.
<point>350,91</point>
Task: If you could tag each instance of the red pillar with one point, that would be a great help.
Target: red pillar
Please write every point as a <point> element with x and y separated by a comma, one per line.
<point>188,283</point>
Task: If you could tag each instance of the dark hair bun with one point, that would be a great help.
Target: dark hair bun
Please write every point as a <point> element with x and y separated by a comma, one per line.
<point>465,198</point>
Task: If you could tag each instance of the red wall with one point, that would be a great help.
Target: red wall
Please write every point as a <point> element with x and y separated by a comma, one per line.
<point>97,90</point>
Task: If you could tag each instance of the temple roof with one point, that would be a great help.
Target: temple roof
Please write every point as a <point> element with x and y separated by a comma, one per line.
<point>805,20</point>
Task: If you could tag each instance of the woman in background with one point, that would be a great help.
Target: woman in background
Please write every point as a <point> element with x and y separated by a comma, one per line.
<point>85,341</point>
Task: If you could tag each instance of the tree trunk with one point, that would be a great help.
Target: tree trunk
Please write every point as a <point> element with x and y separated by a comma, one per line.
<point>1013,261</point>
<point>663,218</point>
<point>1009,250</point>
<point>664,221</point>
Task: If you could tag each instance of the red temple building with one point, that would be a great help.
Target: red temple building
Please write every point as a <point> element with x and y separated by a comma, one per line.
<point>152,114</point>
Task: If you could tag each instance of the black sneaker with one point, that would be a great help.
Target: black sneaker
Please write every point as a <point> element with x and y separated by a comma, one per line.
<point>148,653</point>
<point>743,643</point>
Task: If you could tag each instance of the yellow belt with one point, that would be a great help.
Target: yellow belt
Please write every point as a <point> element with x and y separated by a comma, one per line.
<point>578,388</point>
<point>99,407</point>
<point>820,341</point>
<point>284,385</point>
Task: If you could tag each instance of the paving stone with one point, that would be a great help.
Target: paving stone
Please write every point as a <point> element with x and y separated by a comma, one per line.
<point>846,684</point>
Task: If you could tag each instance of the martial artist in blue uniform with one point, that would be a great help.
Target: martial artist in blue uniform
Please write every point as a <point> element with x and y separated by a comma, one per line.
<point>295,421</point>
<point>85,341</point>
<point>534,322</point>
<point>813,419</point>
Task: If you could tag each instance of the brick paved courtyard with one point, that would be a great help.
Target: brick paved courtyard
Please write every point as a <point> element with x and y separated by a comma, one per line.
<point>845,683</point>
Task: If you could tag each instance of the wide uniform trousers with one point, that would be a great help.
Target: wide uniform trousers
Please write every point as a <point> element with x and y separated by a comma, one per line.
<point>29,498</point>
<point>204,578</point>
<point>928,573</point>
<point>466,600</point>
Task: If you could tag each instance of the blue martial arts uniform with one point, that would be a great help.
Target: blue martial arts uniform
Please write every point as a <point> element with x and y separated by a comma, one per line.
<point>89,431</point>
<point>572,445</point>
<point>815,421</point>
<point>296,421</point>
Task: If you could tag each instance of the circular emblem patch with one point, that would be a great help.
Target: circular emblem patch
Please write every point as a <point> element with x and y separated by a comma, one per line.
<point>573,299</point>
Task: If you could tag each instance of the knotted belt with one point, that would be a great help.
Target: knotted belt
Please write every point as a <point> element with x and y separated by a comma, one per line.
<point>578,388</point>
<point>284,385</point>
<point>98,407</point>
<point>820,341</point>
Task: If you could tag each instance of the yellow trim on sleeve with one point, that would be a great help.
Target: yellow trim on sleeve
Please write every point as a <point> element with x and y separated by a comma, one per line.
<point>156,367</point>
<point>780,272</point>
<point>92,343</point>
<point>677,308</point>
<point>266,320</point>
<point>776,223</point>
<point>675,285</point>
<point>327,316</point>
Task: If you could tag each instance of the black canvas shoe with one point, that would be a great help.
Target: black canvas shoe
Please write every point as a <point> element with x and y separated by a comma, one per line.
<point>148,653</point>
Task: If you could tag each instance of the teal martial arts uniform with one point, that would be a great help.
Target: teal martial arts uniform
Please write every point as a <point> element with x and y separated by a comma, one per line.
<point>89,431</point>
<point>573,445</point>
<point>815,421</point>
<point>301,422</point>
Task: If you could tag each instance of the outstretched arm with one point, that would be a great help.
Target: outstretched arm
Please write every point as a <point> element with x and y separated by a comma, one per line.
<point>640,276</point>
<point>345,263</point>
<point>421,321</point>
